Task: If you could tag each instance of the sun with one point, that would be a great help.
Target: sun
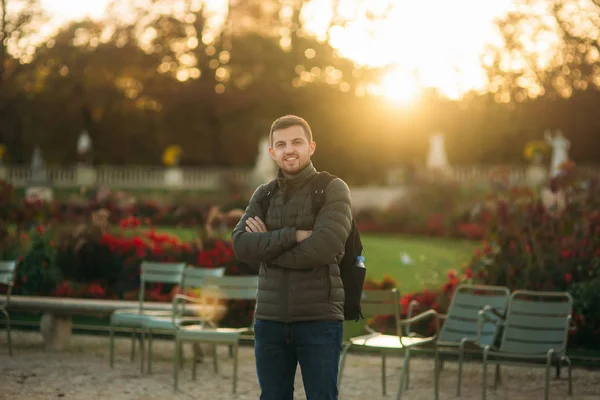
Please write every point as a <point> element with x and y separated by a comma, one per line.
<point>400,87</point>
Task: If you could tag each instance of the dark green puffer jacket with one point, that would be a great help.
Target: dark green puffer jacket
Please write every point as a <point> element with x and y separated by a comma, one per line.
<point>297,281</point>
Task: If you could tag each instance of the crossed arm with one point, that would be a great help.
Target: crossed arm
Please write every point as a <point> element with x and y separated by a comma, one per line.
<point>291,248</point>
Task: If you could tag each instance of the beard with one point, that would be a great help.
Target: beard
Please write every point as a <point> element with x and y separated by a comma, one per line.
<point>295,168</point>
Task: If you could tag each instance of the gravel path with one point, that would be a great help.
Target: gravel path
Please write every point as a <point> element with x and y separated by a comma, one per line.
<point>83,373</point>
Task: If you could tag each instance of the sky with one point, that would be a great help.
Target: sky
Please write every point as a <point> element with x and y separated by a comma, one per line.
<point>427,43</point>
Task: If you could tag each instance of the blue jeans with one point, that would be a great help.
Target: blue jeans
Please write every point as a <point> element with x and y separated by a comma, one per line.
<point>279,347</point>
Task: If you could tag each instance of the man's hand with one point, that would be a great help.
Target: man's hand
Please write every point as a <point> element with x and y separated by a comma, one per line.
<point>301,235</point>
<point>255,224</point>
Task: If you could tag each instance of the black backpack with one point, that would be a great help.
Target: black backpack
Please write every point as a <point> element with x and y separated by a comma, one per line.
<point>352,276</point>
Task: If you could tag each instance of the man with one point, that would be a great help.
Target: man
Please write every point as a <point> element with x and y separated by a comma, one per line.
<point>300,303</point>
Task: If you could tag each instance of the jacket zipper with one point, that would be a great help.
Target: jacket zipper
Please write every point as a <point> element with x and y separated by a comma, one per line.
<point>328,277</point>
<point>285,296</point>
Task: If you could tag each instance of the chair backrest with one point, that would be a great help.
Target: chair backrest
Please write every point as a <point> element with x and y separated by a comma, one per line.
<point>159,272</point>
<point>232,287</point>
<point>193,277</point>
<point>462,316</point>
<point>216,289</point>
<point>7,272</point>
<point>381,302</point>
<point>537,322</point>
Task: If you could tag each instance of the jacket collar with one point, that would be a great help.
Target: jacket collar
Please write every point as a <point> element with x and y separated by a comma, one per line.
<point>306,174</point>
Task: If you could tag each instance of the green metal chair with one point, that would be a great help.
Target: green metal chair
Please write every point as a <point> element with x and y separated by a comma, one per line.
<point>460,325</point>
<point>214,291</point>
<point>535,332</point>
<point>7,275</point>
<point>151,272</point>
<point>193,278</point>
<point>379,303</point>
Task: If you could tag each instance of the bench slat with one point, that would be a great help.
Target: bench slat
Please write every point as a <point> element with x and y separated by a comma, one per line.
<point>79,306</point>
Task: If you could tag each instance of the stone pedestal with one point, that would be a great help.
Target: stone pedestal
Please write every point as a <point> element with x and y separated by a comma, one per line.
<point>56,331</point>
<point>174,177</point>
<point>536,175</point>
<point>85,176</point>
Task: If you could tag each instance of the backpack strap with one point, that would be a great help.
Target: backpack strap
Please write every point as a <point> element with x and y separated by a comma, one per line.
<point>265,200</point>
<point>318,185</point>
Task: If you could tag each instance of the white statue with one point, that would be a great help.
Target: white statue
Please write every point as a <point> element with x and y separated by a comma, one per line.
<point>437,158</point>
<point>265,168</point>
<point>38,167</point>
<point>560,148</point>
<point>37,162</point>
<point>84,147</point>
<point>84,143</point>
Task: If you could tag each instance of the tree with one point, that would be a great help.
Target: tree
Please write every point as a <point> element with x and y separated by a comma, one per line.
<point>550,47</point>
<point>19,21</point>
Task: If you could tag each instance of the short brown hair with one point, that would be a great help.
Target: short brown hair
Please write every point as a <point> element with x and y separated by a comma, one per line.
<point>288,121</point>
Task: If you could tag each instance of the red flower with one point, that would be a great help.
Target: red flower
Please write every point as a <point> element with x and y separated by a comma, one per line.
<point>138,242</point>
<point>157,250</point>
<point>450,285</point>
<point>129,222</point>
<point>452,274</point>
<point>487,249</point>
<point>64,290</point>
<point>565,253</point>
<point>203,259</point>
<point>404,302</point>
<point>96,290</point>
<point>469,273</point>
<point>568,278</point>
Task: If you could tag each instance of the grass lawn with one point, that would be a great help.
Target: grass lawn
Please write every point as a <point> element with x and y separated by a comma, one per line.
<point>431,257</point>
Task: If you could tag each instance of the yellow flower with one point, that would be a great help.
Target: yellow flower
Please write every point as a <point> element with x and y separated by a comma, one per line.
<point>532,147</point>
<point>171,155</point>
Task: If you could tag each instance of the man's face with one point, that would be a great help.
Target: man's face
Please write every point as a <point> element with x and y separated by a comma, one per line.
<point>291,149</point>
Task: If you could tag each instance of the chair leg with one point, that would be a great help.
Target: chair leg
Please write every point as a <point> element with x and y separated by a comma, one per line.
<point>497,379</point>
<point>486,351</point>
<point>383,385</point>
<point>176,362</point>
<point>407,355</point>
<point>181,356</point>
<point>111,343</point>
<point>235,367</point>
<point>461,359</point>
<point>568,361</point>
<point>149,368</point>
<point>342,363</point>
<point>215,359</point>
<point>132,355</point>
<point>142,351</point>
<point>8,338</point>
<point>403,374</point>
<point>547,378</point>
<point>437,370</point>
<point>194,360</point>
